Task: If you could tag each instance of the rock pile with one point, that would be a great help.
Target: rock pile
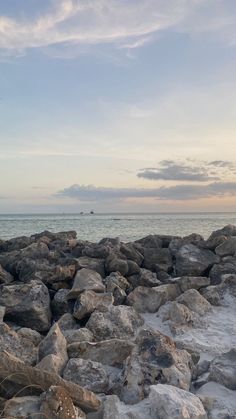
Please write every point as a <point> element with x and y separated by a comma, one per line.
<point>111,329</point>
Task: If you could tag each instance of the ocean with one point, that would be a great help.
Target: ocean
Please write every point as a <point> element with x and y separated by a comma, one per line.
<point>128,227</point>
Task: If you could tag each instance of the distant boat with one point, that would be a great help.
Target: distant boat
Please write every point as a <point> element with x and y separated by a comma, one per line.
<point>92,212</point>
<point>81,213</point>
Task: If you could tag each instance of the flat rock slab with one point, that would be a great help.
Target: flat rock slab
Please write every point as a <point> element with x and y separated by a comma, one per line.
<point>109,352</point>
<point>85,280</point>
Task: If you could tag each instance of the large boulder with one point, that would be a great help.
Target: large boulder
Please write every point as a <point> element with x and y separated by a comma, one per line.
<point>5,277</point>
<point>192,282</point>
<point>17,345</point>
<point>117,322</point>
<point>54,343</point>
<point>145,299</point>
<point>85,280</point>
<point>227,248</point>
<point>154,359</point>
<point>218,401</point>
<point>223,369</point>
<point>109,352</point>
<point>88,301</point>
<point>88,374</point>
<point>95,264</point>
<point>116,262</point>
<point>131,253</point>
<point>27,304</point>
<point>157,259</point>
<point>22,407</point>
<point>194,301</point>
<point>219,270</point>
<point>144,278</point>
<point>191,260</point>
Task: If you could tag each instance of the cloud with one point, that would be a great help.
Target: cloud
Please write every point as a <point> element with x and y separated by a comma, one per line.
<point>91,22</point>
<point>184,192</point>
<point>171,170</point>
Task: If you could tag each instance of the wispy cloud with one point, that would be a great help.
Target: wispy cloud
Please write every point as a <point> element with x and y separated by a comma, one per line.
<point>184,192</point>
<point>128,24</point>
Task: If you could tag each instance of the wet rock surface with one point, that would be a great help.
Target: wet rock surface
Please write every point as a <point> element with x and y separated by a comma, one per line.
<point>118,330</point>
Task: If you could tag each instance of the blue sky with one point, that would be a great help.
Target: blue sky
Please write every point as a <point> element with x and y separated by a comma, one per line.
<point>117,105</point>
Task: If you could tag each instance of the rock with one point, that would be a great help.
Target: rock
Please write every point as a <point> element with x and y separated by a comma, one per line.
<point>171,402</point>
<point>228,230</point>
<point>192,282</point>
<point>88,301</point>
<point>145,278</point>
<point>17,345</point>
<point>30,334</point>
<point>192,261</point>
<point>60,304</point>
<point>52,363</point>
<point>2,313</point>
<point>218,401</point>
<point>110,241</point>
<point>157,259</point>
<point>67,322</point>
<point>218,271</point>
<point>177,242</point>
<point>211,294</point>
<point>154,359</point>
<point>109,352</point>
<point>23,407</point>
<point>119,295</point>
<point>17,372</point>
<point>177,313</point>
<point>5,277</point>
<point>133,267</point>
<point>81,335</point>
<point>223,369</point>
<point>27,304</point>
<point>94,250</point>
<point>86,280</point>
<point>54,343</point>
<point>116,263</point>
<point>16,243</point>
<point>131,253</point>
<point>95,264</point>
<point>119,322</point>
<point>117,279</point>
<point>57,404</point>
<point>227,248</point>
<point>152,241</point>
<point>88,374</point>
<point>149,300</point>
<point>194,301</point>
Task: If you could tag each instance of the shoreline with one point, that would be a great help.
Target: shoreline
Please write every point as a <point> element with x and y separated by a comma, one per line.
<point>144,328</point>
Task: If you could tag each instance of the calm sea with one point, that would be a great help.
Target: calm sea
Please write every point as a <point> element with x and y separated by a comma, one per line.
<point>126,226</point>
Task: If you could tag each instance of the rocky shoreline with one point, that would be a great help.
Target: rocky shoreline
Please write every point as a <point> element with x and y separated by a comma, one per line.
<point>118,330</point>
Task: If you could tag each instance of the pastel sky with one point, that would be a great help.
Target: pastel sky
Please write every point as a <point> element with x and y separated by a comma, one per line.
<point>117,105</point>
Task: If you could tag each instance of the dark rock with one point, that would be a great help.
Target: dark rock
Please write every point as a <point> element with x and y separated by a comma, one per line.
<point>119,322</point>
<point>192,261</point>
<point>130,252</point>
<point>86,280</point>
<point>97,265</point>
<point>17,345</point>
<point>192,282</point>
<point>145,278</point>
<point>27,304</point>
<point>22,407</point>
<point>94,250</point>
<point>116,263</point>
<point>219,270</point>
<point>88,301</point>
<point>60,304</point>
<point>54,343</point>
<point>149,300</point>
<point>155,258</point>
<point>152,241</point>
<point>5,277</point>
<point>227,248</point>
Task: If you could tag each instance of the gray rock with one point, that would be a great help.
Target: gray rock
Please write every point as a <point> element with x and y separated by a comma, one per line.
<point>192,282</point>
<point>155,258</point>
<point>154,359</point>
<point>95,264</point>
<point>115,262</point>
<point>117,322</point>
<point>2,313</point>
<point>80,335</point>
<point>145,278</point>
<point>52,363</point>
<point>177,242</point>
<point>23,407</point>
<point>86,280</point>
<point>149,300</point>
<point>67,322</point>
<point>211,294</point>
<point>17,345</point>
<point>177,313</point>
<point>5,277</point>
<point>223,369</point>
<point>174,403</point>
<point>94,250</point>
<point>228,230</point>
<point>194,301</point>
<point>88,301</point>
<point>227,248</point>
<point>152,241</point>
<point>30,334</point>
<point>54,343</point>
<point>133,267</point>
<point>60,304</point>
<point>218,401</point>
<point>130,252</point>
<point>109,352</point>
<point>27,304</point>
<point>88,374</point>
<point>193,261</point>
<point>219,270</point>
<point>117,279</point>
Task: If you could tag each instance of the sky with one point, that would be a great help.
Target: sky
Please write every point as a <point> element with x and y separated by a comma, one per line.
<point>117,105</point>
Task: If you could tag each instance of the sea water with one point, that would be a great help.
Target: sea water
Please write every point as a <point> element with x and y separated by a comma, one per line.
<point>127,227</point>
